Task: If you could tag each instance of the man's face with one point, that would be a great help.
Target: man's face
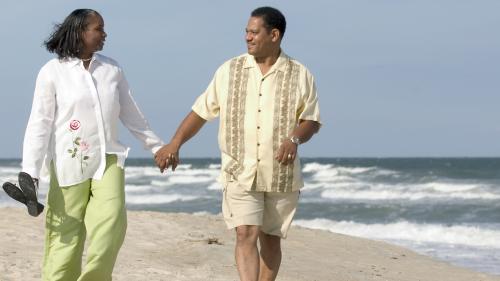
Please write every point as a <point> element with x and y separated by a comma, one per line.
<point>260,42</point>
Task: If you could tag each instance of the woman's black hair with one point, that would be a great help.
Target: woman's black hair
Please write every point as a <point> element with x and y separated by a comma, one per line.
<point>66,40</point>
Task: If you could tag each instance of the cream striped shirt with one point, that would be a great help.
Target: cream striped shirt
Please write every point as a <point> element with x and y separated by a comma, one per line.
<point>257,113</point>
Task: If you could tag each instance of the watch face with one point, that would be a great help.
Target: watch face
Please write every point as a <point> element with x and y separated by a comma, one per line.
<point>295,140</point>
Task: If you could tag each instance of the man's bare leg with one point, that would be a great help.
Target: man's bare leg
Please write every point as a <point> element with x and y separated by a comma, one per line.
<point>270,256</point>
<point>247,253</point>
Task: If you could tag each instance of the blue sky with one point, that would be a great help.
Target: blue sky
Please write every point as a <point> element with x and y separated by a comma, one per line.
<point>395,78</point>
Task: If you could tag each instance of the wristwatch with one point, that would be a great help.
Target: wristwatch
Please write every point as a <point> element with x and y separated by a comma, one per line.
<point>295,140</point>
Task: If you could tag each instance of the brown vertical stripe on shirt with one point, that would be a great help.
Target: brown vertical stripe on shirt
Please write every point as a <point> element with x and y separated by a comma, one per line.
<point>235,116</point>
<point>292,121</point>
<point>284,123</point>
<point>276,128</point>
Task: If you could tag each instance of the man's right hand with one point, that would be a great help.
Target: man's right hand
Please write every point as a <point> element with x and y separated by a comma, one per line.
<point>167,156</point>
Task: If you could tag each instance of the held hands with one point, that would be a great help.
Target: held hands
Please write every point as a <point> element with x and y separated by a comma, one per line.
<point>167,156</point>
<point>287,152</point>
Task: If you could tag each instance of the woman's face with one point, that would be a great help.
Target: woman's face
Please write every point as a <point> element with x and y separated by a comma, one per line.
<point>93,36</point>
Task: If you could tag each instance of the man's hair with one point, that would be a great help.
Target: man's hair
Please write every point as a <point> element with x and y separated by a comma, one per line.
<point>272,18</point>
<point>66,39</point>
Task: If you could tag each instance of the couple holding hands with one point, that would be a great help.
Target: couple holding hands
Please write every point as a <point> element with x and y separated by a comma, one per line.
<point>267,106</point>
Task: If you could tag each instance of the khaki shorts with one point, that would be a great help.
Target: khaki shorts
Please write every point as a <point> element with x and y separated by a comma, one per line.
<point>273,211</point>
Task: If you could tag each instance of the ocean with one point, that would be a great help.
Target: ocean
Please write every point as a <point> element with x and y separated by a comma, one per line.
<point>447,208</point>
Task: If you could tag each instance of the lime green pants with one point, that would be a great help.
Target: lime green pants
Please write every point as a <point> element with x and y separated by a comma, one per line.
<point>94,208</point>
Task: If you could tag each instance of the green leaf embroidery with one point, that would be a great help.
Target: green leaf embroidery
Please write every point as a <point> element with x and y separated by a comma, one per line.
<point>85,157</point>
<point>77,140</point>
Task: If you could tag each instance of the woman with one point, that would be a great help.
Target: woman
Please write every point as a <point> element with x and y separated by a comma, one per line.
<point>73,127</point>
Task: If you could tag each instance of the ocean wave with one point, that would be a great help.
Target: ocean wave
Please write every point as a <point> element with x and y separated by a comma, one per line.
<point>317,167</point>
<point>215,186</point>
<point>450,187</point>
<point>473,236</point>
<point>11,179</point>
<point>169,178</point>
<point>135,188</point>
<point>330,173</point>
<point>214,166</point>
<point>310,186</point>
<point>9,170</point>
<point>194,172</point>
<point>314,167</point>
<point>135,172</point>
<point>9,174</point>
<point>158,198</point>
<point>132,171</point>
<point>161,183</point>
<point>371,195</point>
<point>335,169</point>
<point>177,179</point>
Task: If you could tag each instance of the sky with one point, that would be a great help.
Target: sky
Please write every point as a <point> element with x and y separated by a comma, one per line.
<point>395,78</point>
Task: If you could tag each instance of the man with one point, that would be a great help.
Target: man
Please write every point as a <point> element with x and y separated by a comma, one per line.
<point>267,105</point>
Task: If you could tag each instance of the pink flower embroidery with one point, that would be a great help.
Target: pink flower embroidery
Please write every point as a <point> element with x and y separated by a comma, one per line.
<point>79,146</point>
<point>74,125</point>
<point>84,146</point>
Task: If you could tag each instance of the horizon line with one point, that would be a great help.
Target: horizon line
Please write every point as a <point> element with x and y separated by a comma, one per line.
<point>324,157</point>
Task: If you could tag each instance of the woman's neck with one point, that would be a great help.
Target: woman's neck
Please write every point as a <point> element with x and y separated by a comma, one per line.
<point>86,58</point>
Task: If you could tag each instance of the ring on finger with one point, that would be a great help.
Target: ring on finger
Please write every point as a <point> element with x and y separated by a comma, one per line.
<point>289,156</point>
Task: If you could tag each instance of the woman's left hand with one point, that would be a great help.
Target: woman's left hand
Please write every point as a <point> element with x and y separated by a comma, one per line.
<point>167,156</point>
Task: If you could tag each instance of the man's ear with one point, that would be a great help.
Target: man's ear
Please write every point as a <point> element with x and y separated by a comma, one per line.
<point>275,33</point>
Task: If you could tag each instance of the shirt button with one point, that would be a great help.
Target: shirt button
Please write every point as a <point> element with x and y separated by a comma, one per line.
<point>259,110</point>
<point>258,144</point>
<point>258,160</point>
<point>262,79</point>
<point>258,127</point>
<point>260,95</point>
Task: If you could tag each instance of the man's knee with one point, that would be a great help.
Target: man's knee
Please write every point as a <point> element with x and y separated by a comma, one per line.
<point>269,243</point>
<point>247,234</point>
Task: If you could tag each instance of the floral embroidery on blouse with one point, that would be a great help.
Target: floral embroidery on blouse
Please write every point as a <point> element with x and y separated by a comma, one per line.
<point>79,145</point>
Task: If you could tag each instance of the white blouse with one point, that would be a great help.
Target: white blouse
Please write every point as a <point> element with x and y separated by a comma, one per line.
<point>74,120</point>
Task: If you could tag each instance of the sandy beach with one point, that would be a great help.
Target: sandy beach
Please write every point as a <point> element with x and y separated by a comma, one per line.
<point>174,246</point>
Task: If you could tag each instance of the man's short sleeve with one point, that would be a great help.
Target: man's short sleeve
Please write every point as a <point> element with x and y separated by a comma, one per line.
<point>207,104</point>
<point>309,109</point>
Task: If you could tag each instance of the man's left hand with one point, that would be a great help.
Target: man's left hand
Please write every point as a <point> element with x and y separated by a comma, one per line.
<point>287,152</point>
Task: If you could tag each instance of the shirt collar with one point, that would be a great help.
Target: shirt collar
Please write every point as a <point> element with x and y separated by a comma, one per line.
<point>280,63</point>
<point>72,62</point>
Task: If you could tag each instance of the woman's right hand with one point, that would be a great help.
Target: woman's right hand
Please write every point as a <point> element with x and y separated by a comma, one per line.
<point>167,156</point>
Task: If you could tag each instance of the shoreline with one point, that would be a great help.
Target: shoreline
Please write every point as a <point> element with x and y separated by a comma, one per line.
<point>180,246</point>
